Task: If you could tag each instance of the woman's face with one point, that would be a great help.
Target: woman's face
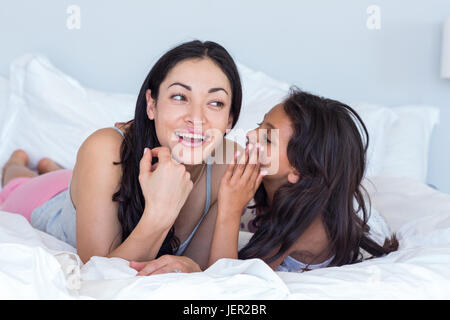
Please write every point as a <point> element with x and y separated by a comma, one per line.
<point>274,134</point>
<point>192,112</point>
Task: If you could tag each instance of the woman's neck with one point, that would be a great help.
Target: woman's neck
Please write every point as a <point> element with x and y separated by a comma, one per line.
<point>195,171</point>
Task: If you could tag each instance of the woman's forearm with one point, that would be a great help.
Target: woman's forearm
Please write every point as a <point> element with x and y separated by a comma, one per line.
<point>226,235</point>
<point>144,241</point>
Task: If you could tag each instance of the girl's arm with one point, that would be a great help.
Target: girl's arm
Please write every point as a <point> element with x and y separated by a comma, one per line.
<point>237,188</point>
<point>226,235</point>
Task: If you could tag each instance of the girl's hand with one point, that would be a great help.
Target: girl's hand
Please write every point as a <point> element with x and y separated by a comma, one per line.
<point>165,185</point>
<point>165,264</point>
<point>240,181</point>
<point>237,188</point>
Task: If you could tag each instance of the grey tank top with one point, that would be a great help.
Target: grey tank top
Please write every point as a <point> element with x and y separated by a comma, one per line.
<point>57,216</point>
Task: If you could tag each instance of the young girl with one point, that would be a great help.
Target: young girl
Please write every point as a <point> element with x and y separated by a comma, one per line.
<point>303,166</point>
<point>309,202</point>
<point>118,201</point>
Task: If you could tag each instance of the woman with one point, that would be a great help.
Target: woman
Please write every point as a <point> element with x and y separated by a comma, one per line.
<point>310,208</point>
<point>145,190</point>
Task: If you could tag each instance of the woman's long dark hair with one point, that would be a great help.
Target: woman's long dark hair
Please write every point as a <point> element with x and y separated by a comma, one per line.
<point>142,133</point>
<point>328,151</point>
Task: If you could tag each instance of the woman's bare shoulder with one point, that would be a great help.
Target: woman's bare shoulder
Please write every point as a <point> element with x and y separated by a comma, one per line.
<point>95,160</point>
<point>105,134</point>
<point>102,140</point>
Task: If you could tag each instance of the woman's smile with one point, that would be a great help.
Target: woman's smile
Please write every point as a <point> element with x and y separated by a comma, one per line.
<point>191,139</point>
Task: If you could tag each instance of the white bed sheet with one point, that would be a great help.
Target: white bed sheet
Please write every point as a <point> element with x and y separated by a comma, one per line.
<point>34,265</point>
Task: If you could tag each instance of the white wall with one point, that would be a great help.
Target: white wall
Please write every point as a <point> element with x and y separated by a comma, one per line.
<point>323,46</point>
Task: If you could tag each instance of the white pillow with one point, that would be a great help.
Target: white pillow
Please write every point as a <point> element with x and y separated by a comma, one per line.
<point>408,142</point>
<point>53,113</point>
<point>4,97</point>
<point>59,113</point>
<point>378,121</point>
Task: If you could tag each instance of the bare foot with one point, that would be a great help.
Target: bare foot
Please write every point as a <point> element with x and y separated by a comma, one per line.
<point>46,165</point>
<point>18,157</point>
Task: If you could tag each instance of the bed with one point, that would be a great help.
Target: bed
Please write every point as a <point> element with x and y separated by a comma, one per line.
<point>59,113</point>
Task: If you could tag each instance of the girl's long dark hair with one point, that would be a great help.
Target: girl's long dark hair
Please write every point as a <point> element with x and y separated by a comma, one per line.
<point>328,151</point>
<point>142,133</point>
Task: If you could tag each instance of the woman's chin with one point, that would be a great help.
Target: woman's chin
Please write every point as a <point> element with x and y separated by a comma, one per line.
<point>191,155</point>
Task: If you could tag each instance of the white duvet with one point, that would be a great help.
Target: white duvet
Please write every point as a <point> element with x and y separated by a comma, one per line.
<point>34,265</point>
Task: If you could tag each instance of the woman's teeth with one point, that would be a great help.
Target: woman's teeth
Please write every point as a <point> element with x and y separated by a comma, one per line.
<point>190,137</point>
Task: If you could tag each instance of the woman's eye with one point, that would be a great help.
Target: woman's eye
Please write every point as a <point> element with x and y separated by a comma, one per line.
<point>259,124</point>
<point>217,104</point>
<point>178,97</point>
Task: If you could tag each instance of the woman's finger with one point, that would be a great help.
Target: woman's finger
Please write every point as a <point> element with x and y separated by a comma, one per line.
<point>136,265</point>
<point>151,266</point>
<point>146,161</point>
<point>162,153</point>
<point>165,269</point>
<point>154,166</point>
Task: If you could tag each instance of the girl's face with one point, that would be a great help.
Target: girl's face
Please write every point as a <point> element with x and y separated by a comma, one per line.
<point>274,134</point>
<point>192,112</point>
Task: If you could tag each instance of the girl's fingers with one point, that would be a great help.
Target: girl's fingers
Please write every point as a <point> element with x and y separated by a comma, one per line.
<point>255,173</point>
<point>253,162</point>
<point>242,162</point>
<point>259,179</point>
<point>230,167</point>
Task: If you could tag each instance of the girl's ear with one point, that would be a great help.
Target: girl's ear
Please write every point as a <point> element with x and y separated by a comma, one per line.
<point>293,176</point>
<point>150,105</point>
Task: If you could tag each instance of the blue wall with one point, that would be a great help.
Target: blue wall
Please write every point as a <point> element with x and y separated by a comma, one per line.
<point>323,46</point>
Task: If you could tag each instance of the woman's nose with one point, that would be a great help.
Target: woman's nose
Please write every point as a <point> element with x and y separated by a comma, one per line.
<point>195,116</point>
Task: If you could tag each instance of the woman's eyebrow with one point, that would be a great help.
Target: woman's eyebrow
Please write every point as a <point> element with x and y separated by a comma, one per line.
<point>217,89</point>
<point>180,84</point>
<point>190,89</point>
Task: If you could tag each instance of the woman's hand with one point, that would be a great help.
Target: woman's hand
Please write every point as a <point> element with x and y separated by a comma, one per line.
<point>165,185</point>
<point>240,181</point>
<point>165,264</point>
